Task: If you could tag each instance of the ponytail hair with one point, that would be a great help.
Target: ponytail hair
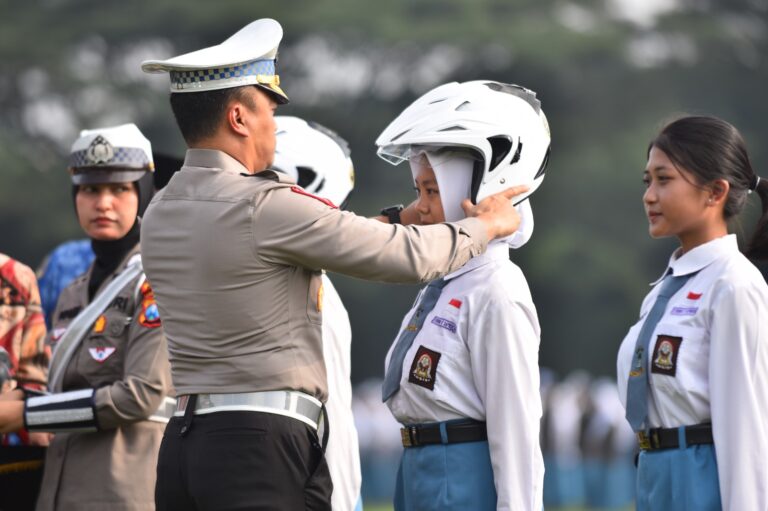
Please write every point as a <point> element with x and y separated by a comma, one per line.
<point>758,246</point>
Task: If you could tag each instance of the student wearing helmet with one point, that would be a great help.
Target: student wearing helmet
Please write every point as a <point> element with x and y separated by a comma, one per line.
<point>319,160</point>
<point>462,376</point>
<point>109,375</point>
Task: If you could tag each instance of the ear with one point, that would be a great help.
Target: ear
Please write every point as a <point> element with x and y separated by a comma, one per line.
<point>237,118</point>
<point>719,191</point>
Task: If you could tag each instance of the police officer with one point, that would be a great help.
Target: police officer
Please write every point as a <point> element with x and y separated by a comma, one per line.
<point>235,257</point>
<point>462,376</point>
<point>109,375</point>
<point>320,162</point>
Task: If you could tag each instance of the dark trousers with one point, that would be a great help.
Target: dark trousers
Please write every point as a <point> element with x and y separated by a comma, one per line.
<point>253,461</point>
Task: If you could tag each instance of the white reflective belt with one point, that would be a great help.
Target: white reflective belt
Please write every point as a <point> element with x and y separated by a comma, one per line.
<point>165,411</point>
<point>289,403</point>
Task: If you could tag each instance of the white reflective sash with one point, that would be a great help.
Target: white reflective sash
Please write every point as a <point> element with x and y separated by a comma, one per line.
<point>83,322</point>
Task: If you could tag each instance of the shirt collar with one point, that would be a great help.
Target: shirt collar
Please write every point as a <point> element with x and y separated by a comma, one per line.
<point>213,159</point>
<point>700,257</point>
<point>496,251</point>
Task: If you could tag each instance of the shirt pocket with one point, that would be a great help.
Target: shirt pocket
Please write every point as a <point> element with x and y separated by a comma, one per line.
<point>102,353</point>
<point>679,361</point>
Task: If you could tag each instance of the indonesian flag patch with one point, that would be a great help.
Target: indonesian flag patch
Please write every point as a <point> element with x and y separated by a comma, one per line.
<point>101,354</point>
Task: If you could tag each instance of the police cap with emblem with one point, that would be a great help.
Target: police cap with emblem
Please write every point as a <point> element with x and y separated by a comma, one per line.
<point>110,155</point>
<point>246,58</point>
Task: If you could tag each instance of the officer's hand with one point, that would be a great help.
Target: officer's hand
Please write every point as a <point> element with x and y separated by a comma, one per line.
<point>497,212</point>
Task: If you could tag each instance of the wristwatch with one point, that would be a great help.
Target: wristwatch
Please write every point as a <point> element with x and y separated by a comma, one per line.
<point>393,213</point>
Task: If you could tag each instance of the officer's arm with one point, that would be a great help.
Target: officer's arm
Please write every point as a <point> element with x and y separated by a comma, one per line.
<point>292,228</point>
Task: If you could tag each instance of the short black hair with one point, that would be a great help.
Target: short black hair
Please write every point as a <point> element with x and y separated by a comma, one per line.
<point>199,114</point>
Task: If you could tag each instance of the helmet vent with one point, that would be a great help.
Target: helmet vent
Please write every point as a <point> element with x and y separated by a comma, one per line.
<point>454,128</point>
<point>436,101</point>
<point>500,147</point>
<point>400,135</point>
<point>463,106</point>
<point>516,157</point>
<point>521,92</point>
<point>306,176</point>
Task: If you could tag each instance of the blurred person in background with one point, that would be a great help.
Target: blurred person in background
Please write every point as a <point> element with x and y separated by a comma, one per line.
<point>462,376</point>
<point>23,368</point>
<point>319,160</point>
<point>109,374</point>
<point>693,371</point>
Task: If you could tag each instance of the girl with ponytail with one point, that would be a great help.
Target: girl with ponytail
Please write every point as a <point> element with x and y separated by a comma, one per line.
<point>693,371</point>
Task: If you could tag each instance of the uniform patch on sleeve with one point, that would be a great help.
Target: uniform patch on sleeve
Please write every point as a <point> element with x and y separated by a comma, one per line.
<point>665,355</point>
<point>150,315</point>
<point>456,303</point>
<point>302,191</point>
<point>424,368</point>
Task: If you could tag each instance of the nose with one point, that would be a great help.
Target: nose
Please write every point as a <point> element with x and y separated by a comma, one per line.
<point>104,201</point>
<point>422,206</point>
<point>649,197</point>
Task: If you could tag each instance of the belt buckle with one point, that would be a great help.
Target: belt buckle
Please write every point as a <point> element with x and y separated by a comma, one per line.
<point>408,436</point>
<point>643,440</point>
<point>405,436</point>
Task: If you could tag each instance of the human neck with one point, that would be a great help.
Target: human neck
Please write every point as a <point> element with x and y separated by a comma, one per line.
<point>709,232</point>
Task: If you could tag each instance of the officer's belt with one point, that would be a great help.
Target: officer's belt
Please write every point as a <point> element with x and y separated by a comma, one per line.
<point>656,439</point>
<point>451,432</point>
<point>289,403</point>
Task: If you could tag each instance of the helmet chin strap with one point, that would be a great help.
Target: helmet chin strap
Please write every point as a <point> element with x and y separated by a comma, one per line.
<point>454,178</point>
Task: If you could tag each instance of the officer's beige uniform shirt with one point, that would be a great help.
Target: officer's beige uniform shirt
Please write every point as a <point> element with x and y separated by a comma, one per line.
<point>719,370</point>
<point>486,330</point>
<point>343,451</point>
<point>235,262</point>
<point>127,364</point>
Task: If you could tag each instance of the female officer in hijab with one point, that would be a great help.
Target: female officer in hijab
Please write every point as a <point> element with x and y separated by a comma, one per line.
<point>109,375</point>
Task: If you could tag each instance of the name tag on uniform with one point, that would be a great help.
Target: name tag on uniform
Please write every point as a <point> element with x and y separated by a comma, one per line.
<point>683,311</point>
<point>444,323</point>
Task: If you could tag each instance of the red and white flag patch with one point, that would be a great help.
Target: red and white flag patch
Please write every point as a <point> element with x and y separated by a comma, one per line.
<point>693,296</point>
<point>101,354</point>
<point>456,303</point>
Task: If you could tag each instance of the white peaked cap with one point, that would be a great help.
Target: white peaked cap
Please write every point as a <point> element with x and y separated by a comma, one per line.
<point>246,58</point>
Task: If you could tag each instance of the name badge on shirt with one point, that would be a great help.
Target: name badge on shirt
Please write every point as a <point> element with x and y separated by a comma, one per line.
<point>664,360</point>
<point>424,368</point>
<point>684,311</point>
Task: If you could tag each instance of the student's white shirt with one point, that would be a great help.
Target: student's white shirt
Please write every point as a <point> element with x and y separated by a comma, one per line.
<point>717,370</point>
<point>485,328</point>
<point>342,452</point>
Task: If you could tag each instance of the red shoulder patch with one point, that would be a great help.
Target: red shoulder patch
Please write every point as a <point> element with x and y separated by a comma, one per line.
<point>302,191</point>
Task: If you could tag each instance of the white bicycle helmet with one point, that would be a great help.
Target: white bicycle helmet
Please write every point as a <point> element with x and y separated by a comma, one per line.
<point>316,157</point>
<point>501,125</point>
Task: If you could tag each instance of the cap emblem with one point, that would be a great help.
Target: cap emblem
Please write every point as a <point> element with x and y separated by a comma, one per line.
<point>99,152</point>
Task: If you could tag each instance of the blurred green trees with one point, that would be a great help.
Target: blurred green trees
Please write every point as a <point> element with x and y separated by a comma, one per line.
<point>608,72</point>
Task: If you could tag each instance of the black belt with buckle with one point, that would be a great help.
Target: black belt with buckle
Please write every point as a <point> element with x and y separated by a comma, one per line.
<point>656,439</point>
<point>455,432</point>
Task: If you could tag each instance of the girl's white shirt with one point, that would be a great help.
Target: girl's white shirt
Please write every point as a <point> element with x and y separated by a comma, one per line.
<point>717,371</point>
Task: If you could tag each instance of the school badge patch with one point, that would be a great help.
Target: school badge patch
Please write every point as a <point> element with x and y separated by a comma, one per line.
<point>664,360</point>
<point>101,354</point>
<point>150,315</point>
<point>424,368</point>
